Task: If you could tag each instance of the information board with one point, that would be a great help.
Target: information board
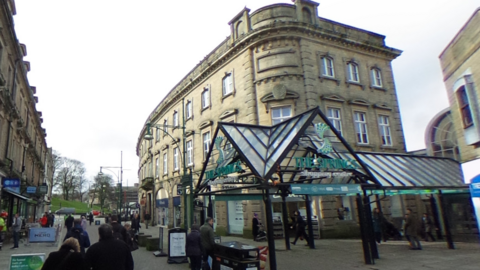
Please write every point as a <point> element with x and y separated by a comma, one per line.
<point>27,261</point>
<point>177,241</point>
<point>41,235</point>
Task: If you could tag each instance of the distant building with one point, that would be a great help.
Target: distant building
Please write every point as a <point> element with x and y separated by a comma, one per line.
<point>460,63</point>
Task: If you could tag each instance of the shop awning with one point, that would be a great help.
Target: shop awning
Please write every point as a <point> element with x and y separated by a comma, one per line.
<point>397,170</point>
<point>6,190</point>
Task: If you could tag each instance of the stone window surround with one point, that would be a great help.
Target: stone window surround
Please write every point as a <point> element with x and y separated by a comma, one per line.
<point>232,74</point>
<point>209,106</point>
<point>354,111</point>
<point>320,56</point>
<point>188,101</point>
<point>385,114</point>
<point>348,61</point>
<point>372,80</point>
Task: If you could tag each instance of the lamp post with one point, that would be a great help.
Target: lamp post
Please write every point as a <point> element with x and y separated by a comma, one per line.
<point>186,177</point>
<point>119,183</point>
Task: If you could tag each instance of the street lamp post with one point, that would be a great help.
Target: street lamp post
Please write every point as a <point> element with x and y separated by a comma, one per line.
<point>119,183</point>
<point>186,177</point>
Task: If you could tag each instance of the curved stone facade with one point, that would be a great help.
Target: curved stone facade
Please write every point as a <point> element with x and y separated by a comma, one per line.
<point>279,61</point>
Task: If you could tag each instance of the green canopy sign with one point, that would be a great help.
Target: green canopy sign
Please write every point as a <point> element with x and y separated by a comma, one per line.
<point>324,189</point>
<point>225,170</point>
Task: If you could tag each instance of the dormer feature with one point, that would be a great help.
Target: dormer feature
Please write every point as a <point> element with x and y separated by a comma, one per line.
<point>240,25</point>
<point>307,11</point>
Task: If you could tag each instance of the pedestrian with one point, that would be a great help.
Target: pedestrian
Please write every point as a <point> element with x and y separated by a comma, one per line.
<point>108,253</point>
<point>194,248</point>
<point>119,232</point>
<point>411,230</point>
<point>131,240</point>
<point>49,219</point>
<point>69,222</point>
<point>147,219</point>
<point>52,219</point>
<point>136,223</point>
<point>16,226</point>
<point>84,223</point>
<point>208,239</point>
<point>78,233</point>
<point>44,221</point>
<point>68,257</point>
<point>427,226</point>
<point>90,217</point>
<point>299,226</point>
<point>255,224</point>
<point>3,227</point>
<point>378,225</point>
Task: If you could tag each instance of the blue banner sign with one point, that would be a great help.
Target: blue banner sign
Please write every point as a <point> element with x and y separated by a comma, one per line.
<point>475,186</point>
<point>162,202</point>
<point>31,189</point>
<point>12,184</point>
<point>324,189</point>
<point>39,235</point>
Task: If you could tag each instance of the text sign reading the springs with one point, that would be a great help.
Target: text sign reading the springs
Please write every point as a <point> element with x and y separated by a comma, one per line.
<point>220,171</point>
<point>325,163</point>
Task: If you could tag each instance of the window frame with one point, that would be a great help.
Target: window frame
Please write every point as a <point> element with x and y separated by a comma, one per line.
<point>205,149</point>
<point>384,127</point>
<point>463,107</point>
<point>358,124</point>
<point>157,135</point>
<point>165,163</point>
<point>352,65</point>
<point>204,99</point>
<point>157,167</point>
<point>189,152</point>
<point>334,120</point>
<point>376,76</point>
<point>165,127</point>
<point>229,76</point>
<point>175,118</point>
<point>176,166</point>
<point>282,118</point>
<point>189,110</point>
<point>325,67</point>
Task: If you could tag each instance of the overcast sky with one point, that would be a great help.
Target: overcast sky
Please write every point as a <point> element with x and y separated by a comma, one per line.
<point>101,66</point>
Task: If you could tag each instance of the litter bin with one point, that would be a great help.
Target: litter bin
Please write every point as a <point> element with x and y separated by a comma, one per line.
<point>97,222</point>
<point>235,256</point>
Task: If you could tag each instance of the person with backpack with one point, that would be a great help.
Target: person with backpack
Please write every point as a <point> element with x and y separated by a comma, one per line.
<point>119,232</point>
<point>78,233</point>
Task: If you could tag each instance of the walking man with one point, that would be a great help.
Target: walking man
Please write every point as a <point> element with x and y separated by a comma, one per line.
<point>78,233</point>
<point>69,222</point>
<point>108,253</point>
<point>299,226</point>
<point>411,228</point>
<point>208,239</point>
<point>16,226</point>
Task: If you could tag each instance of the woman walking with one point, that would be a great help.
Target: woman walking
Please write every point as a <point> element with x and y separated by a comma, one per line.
<point>67,258</point>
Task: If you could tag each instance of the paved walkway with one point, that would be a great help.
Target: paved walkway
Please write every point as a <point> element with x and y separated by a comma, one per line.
<point>329,254</point>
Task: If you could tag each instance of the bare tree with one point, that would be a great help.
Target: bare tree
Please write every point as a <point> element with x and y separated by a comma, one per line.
<point>102,189</point>
<point>69,174</point>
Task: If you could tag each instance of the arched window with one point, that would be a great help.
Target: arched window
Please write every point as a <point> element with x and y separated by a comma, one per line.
<point>352,70</point>
<point>327,66</point>
<point>307,15</point>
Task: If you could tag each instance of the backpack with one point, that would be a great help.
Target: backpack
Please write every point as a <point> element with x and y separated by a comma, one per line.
<point>79,236</point>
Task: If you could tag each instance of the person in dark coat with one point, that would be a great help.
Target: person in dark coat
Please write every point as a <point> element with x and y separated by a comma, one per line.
<point>255,224</point>
<point>69,222</point>
<point>427,226</point>
<point>411,230</point>
<point>108,253</point>
<point>68,257</point>
<point>90,218</point>
<point>118,229</point>
<point>208,238</point>
<point>299,226</point>
<point>78,233</point>
<point>378,225</point>
<point>194,248</point>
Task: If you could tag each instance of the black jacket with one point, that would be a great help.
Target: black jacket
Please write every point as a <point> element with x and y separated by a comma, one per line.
<point>69,222</point>
<point>109,254</point>
<point>194,244</point>
<point>81,236</point>
<point>299,223</point>
<point>58,260</point>
<point>118,228</point>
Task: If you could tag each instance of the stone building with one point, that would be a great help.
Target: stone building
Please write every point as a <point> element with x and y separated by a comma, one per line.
<point>279,61</point>
<point>25,160</point>
<point>460,63</point>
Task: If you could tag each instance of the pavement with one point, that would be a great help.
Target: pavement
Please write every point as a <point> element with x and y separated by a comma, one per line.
<point>332,254</point>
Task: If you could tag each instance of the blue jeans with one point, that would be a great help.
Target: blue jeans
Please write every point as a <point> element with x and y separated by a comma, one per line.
<point>15,238</point>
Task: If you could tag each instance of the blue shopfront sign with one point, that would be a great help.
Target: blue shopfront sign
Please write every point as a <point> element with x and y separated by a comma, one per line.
<point>162,203</point>
<point>12,184</point>
<point>324,189</point>
<point>31,190</point>
<point>176,201</point>
<point>40,235</point>
<point>475,186</point>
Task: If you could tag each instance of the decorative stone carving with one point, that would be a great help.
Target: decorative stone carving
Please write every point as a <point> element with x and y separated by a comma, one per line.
<point>279,91</point>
